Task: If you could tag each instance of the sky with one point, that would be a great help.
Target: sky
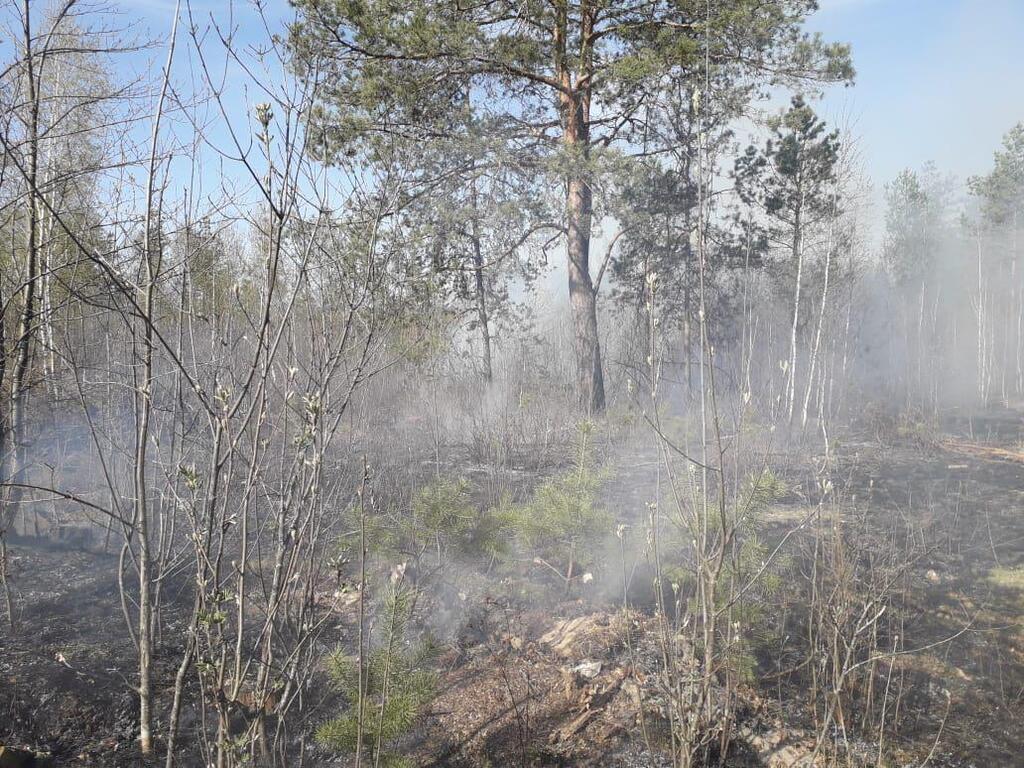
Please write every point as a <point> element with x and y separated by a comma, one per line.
<point>937,80</point>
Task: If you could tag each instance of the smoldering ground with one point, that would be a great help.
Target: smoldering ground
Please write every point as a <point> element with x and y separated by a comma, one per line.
<point>450,406</point>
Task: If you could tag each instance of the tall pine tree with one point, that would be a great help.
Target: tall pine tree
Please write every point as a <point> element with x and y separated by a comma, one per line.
<point>793,180</point>
<point>561,80</point>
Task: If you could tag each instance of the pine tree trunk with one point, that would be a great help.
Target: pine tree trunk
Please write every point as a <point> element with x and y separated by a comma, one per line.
<point>574,105</point>
<point>582,301</point>
<point>481,291</point>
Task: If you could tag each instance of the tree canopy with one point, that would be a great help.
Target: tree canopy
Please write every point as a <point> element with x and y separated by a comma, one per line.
<point>560,84</point>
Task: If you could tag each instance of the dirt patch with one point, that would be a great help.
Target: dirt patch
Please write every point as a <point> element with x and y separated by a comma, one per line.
<point>67,673</point>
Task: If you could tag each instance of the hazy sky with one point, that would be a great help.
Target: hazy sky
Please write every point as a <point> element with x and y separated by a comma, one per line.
<point>938,80</point>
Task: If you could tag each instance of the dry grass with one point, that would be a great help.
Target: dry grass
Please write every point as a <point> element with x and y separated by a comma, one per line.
<point>1008,578</point>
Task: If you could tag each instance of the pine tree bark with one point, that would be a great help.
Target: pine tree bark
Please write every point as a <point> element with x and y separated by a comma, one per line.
<point>481,291</point>
<point>574,105</point>
<point>582,301</point>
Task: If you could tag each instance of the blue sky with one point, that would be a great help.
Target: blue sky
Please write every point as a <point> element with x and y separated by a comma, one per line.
<point>937,80</point>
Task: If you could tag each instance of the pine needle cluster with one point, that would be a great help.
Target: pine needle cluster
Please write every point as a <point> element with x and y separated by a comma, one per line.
<point>396,684</point>
<point>565,517</point>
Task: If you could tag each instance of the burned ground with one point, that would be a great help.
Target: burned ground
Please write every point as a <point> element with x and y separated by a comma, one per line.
<point>565,684</point>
